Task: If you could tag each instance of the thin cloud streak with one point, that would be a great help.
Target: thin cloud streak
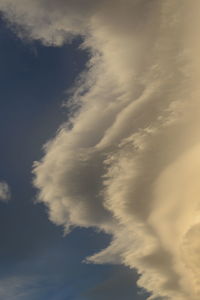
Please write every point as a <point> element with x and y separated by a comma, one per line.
<point>129,163</point>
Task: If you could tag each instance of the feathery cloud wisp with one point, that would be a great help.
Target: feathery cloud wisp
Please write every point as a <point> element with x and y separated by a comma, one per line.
<point>130,163</point>
<point>4,191</point>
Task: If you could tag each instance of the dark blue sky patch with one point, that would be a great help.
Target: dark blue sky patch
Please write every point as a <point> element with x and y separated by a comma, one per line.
<point>120,284</point>
<point>33,81</point>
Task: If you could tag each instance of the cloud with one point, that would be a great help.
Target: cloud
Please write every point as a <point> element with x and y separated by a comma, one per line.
<point>19,287</point>
<point>4,191</point>
<point>127,162</point>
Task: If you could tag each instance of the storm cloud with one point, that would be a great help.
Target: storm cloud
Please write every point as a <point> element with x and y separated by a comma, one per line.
<point>127,161</point>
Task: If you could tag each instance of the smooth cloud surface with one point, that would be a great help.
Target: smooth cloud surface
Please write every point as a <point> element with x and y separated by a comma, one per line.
<point>129,162</point>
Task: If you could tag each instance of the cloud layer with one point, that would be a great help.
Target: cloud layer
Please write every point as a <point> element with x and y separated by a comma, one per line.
<point>127,162</point>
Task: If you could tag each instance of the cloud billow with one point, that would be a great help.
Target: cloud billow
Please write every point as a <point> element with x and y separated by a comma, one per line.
<point>129,164</point>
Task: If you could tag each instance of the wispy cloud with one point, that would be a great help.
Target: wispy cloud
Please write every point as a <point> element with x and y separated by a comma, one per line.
<point>130,163</point>
<point>4,192</point>
<point>19,288</point>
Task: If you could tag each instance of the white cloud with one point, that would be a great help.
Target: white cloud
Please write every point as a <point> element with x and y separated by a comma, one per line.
<point>4,191</point>
<point>130,165</point>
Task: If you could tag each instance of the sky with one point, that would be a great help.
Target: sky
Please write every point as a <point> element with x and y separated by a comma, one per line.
<point>99,164</point>
<point>37,261</point>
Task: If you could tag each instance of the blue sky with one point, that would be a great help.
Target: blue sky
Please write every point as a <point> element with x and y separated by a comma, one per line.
<point>37,262</point>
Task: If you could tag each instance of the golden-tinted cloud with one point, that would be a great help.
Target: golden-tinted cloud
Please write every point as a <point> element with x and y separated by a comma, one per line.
<point>129,164</point>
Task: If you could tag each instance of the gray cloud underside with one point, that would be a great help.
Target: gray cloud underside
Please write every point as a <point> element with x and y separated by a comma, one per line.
<point>130,163</point>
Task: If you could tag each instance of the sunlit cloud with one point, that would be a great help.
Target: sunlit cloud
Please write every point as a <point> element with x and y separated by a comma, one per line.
<point>129,163</point>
